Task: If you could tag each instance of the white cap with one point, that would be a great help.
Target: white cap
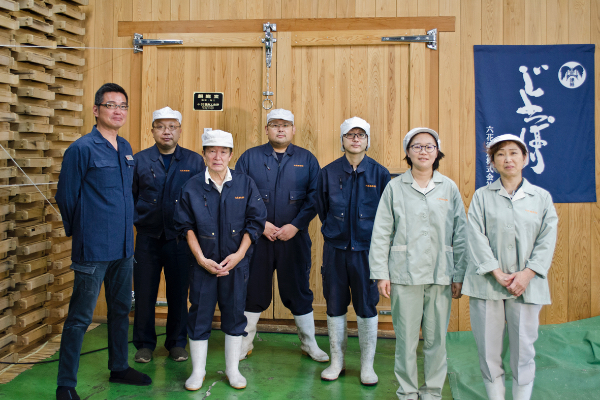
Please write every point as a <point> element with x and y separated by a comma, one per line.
<point>508,137</point>
<point>165,113</point>
<point>355,122</point>
<point>280,113</point>
<point>416,131</point>
<point>217,138</point>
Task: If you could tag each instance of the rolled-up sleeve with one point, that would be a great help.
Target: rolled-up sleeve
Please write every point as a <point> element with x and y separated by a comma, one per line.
<point>383,234</point>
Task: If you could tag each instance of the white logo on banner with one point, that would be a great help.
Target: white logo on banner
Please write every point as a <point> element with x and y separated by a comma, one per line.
<point>571,75</point>
<point>537,122</point>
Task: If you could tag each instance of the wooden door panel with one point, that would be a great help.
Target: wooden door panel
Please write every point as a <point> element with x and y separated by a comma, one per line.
<point>387,85</point>
<point>176,73</point>
<point>323,82</point>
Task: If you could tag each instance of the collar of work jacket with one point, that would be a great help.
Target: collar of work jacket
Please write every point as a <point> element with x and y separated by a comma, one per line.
<point>361,167</point>
<point>99,139</point>
<point>525,187</point>
<point>269,150</point>
<point>408,178</point>
<point>207,185</point>
<point>155,153</point>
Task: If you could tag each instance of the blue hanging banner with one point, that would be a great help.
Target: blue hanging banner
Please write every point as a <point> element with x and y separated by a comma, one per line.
<point>545,95</point>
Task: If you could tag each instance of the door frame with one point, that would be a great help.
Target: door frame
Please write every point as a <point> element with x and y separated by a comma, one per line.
<point>290,33</point>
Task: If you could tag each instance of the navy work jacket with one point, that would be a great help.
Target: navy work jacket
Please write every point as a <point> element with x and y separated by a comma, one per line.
<point>220,220</point>
<point>288,189</point>
<point>95,200</point>
<point>156,190</point>
<point>348,200</point>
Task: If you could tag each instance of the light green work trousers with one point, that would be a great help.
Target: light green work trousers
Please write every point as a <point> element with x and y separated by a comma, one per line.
<point>488,325</point>
<point>413,307</point>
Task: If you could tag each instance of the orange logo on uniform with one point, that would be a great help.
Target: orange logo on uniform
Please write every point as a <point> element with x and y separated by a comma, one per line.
<point>373,186</point>
<point>239,197</point>
<point>184,170</point>
<point>298,165</point>
<point>533,212</point>
<point>439,198</point>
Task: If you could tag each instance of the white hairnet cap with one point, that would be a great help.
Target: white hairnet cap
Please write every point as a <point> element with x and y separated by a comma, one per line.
<point>217,138</point>
<point>355,122</point>
<point>280,113</point>
<point>165,113</point>
<point>416,131</point>
<point>508,137</point>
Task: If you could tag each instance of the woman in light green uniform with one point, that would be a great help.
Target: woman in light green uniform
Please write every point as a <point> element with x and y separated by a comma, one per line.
<point>417,255</point>
<point>512,234</point>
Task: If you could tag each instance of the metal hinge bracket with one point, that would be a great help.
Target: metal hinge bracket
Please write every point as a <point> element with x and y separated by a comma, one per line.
<point>139,42</point>
<point>430,39</point>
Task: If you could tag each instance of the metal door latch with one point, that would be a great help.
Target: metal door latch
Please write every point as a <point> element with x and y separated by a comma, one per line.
<point>139,42</point>
<point>269,40</point>
<point>430,39</point>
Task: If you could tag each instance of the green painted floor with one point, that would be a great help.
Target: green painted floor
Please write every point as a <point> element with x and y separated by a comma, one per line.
<point>276,370</point>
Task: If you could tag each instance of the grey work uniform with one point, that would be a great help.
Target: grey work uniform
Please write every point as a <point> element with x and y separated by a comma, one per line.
<point>510,234</point>
<point>419,244</point>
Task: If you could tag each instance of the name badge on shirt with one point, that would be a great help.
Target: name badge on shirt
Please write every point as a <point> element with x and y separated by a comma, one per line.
<point>129,157</point>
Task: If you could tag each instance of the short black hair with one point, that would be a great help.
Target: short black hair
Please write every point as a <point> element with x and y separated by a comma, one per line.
<point>436,163</point>
<point>107,88</point>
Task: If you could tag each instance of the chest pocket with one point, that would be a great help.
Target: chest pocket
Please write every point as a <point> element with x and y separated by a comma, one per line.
<point>149,196</point>
<point>297,196</point>
<point>106,173</point>
<point>265,194</point>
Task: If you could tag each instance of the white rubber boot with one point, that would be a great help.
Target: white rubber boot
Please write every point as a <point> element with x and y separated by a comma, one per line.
<point>198,350</point>
<point>233,348</point>
<point>495,390</point>
<point>522,392</point>
<point>367,338</point>
<point>247,345</point>
<point>338,338</point>
<point>306,333</point>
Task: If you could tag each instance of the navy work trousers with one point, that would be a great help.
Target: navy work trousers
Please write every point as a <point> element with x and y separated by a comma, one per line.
<point>346,277</point>
<point>88,281</point>
<point>151,256</point>
<point>229,291</point>
<point>292,260</point>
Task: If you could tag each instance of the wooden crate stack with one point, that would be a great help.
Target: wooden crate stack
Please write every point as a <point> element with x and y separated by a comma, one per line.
<point>41,79</point>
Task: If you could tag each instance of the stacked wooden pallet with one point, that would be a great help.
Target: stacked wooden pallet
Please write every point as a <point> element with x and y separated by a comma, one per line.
<point>41,61</point>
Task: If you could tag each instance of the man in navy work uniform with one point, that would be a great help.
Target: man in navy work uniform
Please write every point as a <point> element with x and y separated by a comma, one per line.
<point>220,213</point>
<point>159,173</point>
<point>286,176</point>
<point>96,204</point>
<point>349,190</point>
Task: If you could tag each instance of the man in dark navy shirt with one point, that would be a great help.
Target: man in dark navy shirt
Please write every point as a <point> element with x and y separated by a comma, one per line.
<point>160,172</point>
<point>349,190</point>
<point>286,176</point>
<point>96,205</point>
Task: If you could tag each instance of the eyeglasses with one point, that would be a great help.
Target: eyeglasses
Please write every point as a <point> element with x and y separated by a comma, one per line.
<point>351,136</point>
<point>428,148</point>
<point>170,128</point>
<point>277,126</point>
<point>114,106</point>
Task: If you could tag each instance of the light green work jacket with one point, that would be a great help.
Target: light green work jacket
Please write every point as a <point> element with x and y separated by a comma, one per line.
<point>419,239</point>
<point>511,235</point>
